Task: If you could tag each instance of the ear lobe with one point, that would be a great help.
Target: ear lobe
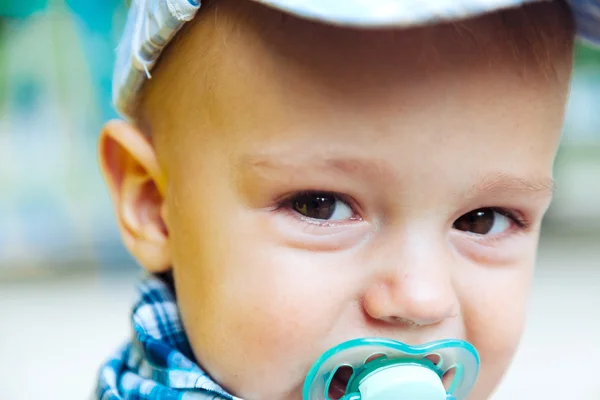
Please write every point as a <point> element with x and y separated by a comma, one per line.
<point>133,176</point>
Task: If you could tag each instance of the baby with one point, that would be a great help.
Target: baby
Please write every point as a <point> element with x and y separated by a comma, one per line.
<point>299,174</point>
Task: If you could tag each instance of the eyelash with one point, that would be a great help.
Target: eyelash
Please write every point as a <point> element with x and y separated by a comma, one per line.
<point>518,218</point>
<point>285,205</point>
<point>521,226</point>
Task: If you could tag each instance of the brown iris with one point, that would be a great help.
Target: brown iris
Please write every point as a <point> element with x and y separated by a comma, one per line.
<point>315,205</point>
<point>479,221</point>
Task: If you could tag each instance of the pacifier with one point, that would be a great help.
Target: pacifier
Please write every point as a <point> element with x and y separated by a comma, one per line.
<point>383,369</point>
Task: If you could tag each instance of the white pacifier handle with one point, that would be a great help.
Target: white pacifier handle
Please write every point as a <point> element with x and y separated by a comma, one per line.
<point>410,382</point>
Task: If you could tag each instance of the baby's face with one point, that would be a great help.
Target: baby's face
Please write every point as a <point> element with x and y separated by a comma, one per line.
<point>335,184</point>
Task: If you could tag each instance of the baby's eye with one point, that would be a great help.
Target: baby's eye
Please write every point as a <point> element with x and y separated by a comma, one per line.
<point>484,221</point>
<point>321,206</point>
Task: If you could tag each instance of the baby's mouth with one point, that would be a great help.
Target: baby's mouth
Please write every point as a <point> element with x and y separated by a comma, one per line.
<point>339,382</point>
<point>341,378</point>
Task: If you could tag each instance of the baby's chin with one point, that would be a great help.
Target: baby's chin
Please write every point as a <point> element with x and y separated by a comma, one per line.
<point>274,392</point>
<point>487,381</point>
<point>277,383</point>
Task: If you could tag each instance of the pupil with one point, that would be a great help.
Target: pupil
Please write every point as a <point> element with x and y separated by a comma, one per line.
<point>478,221</point>
<point>315,205</point>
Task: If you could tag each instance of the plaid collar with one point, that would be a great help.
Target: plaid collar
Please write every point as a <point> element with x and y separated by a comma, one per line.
<point>158,362</point>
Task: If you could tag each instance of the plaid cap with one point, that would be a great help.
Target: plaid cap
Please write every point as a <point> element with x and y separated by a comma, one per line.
<point>151,25</point>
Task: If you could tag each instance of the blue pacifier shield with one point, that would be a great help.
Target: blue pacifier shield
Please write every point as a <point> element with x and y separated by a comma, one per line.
<point>384,369</point>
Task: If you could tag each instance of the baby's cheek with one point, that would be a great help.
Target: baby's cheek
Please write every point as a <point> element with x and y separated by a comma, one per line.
<point>269,314</point>
<point>286,309</point>
<point>494,316</point>
<point>278,336</point>
<point>283,331</point>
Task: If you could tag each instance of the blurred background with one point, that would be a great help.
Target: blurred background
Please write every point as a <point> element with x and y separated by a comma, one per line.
<point>66,281</point>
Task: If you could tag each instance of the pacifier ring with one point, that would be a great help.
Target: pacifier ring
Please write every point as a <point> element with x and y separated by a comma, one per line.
<point>381,369</point>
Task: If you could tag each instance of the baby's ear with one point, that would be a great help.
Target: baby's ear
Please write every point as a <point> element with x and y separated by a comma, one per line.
<point>136,185</point>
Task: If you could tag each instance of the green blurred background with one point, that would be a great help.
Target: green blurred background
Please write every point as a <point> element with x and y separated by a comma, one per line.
<point>55,80</point>
<point>66,281</point>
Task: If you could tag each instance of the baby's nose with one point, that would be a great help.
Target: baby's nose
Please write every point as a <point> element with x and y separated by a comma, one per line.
<point>419,305</point>
<point>413,290</point>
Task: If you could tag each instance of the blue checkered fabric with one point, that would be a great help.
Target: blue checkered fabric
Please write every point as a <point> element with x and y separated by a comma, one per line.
<point>158,362</point>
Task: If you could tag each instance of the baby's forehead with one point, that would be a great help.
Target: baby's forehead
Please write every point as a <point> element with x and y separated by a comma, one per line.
<point>229,40</point>
<point>255,76</point>
<point>225,20</point>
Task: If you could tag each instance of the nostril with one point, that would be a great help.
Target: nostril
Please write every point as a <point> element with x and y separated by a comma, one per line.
<point>402,321</point>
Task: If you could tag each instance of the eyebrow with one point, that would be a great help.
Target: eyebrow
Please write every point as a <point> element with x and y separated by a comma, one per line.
<point>507,183</point>
<point>380,170</point>
<point>366,168</point>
